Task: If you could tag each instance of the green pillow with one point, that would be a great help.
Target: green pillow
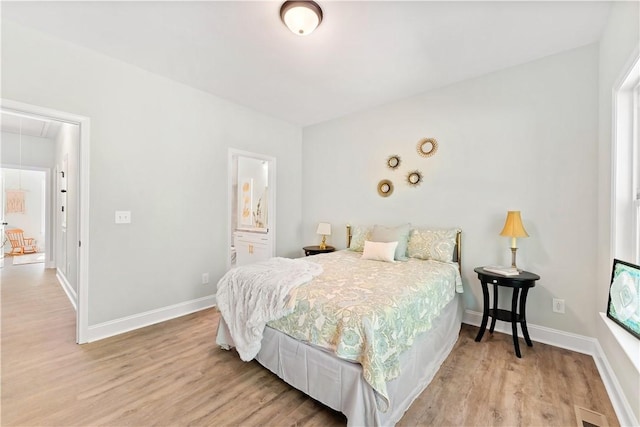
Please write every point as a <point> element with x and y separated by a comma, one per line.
<point>358,235</point>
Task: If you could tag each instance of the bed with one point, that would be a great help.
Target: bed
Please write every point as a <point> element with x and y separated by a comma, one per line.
<point>368,362</point>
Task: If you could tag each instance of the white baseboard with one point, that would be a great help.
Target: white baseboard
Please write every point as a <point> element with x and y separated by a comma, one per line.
<point>621,405</point>
<point>136,321</point>
<point>554,337</point>
<point>66,286</point>
<point>573,342</point>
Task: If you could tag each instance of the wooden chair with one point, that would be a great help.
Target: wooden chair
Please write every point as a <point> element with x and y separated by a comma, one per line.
<point>20,245</point>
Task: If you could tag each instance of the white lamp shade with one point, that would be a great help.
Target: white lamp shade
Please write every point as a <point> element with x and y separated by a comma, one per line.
<point>324,228</point>
<point>301,17</point>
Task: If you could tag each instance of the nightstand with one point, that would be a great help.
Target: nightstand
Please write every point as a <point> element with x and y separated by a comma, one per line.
<point>520,285</point>
<point>314,250</point>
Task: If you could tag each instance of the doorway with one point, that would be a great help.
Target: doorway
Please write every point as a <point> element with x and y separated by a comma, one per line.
<point>252,207</point>
<point>25,193</point>
<point>73,148</point>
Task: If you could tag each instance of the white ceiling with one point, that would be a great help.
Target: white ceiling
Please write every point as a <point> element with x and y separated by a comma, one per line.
<point>31,126</point>
<point>364,54</point>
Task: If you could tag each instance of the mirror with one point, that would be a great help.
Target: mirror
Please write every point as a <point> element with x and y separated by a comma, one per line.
<point>427,147</point>
<point>414,178</point>
<point>393,162</point>
<point>252,194</point>
<point>385,188</point>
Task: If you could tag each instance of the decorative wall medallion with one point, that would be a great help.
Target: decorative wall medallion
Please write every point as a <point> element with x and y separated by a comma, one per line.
<point>393,162</point>
<point>414,178</point>
<point>385,188</point>
<point>427,147</point>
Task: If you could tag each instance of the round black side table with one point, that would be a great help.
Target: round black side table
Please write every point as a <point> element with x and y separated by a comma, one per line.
<point>520,285</point>
<point>314,250</point>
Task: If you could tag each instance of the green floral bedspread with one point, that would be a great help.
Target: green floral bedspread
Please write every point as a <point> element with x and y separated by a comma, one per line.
<point>370,311</point>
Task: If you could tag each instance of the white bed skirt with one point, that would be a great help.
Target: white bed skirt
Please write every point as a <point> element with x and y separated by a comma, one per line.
<point>339,383</point>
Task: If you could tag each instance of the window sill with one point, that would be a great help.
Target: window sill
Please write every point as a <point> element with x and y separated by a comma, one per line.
<point>629,344</point>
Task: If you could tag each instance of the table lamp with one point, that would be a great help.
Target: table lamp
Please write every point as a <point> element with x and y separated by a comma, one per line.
<point>324,228</point>
<point>513,228</point>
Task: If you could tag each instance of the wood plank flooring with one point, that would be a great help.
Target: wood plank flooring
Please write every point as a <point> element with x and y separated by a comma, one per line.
<point>173,374</point>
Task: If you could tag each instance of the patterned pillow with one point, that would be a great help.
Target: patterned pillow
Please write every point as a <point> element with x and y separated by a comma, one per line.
<point>358,235</point>
<point>398,234</point>
<point>425,243</point>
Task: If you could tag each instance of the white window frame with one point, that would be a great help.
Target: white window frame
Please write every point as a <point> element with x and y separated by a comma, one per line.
<point>636,176</point>
<point>625,203</point>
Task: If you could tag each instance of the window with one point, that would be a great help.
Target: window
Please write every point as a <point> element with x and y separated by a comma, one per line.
<point>636,176</point>
<point>626,167</point>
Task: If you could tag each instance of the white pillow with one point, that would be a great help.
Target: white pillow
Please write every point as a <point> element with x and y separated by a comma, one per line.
<point>398,234</point>
<point>379,251</point>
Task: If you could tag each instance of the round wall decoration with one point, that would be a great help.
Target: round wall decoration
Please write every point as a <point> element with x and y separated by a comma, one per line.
<point>414,178</point>
<point>393,162</point>
<point>427,147</point>
<point>385,188</point>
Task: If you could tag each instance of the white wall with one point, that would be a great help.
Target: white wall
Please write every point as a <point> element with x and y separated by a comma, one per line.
<point>159,149</point>
<point>520,139</point>
<point>619,41</point>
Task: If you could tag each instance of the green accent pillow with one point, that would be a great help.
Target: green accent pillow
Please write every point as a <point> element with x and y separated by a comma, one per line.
<point>358,235</point>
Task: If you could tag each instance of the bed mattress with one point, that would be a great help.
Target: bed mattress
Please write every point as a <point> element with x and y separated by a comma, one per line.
<point>340,384</point>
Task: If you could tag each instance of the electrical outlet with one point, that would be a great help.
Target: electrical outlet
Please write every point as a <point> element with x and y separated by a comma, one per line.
<point>205,278</point>
<point>123,217</point>
<point>558,305</point>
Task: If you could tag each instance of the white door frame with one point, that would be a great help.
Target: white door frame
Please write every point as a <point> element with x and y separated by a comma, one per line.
<point>82,312</point>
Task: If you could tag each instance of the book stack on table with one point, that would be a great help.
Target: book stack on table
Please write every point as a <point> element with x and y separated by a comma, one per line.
<point>504,271</point>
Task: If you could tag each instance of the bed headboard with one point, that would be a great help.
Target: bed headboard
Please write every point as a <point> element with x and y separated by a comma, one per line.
<point>457,251</point>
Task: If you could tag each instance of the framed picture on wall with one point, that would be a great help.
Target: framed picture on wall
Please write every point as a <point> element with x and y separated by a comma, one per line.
<point>624,296</point>
<point>246,202</point>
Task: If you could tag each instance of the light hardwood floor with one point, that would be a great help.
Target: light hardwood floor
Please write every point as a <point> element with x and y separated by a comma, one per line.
<point>173,374</point>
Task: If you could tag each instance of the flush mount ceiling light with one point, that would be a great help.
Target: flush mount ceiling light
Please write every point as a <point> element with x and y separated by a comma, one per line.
<point>301,17</point>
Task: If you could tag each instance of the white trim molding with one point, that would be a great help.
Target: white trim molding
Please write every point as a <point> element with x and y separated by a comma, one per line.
<point>621,405</point>
<point>554,337</point>
<point>151,317</point>
<point>68,289</point>
<point>580,344</point>
<point>82,300</point>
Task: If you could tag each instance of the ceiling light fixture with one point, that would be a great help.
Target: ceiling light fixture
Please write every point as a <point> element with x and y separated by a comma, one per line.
<point>301,17</point>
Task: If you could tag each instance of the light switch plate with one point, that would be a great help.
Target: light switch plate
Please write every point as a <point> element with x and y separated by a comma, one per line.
<point>123,217</point>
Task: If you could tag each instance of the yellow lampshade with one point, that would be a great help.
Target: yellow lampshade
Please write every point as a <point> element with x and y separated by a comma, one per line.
<point>513,226</point>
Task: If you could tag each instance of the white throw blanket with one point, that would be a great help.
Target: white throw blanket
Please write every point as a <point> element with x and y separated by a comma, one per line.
<point>252,295</point>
